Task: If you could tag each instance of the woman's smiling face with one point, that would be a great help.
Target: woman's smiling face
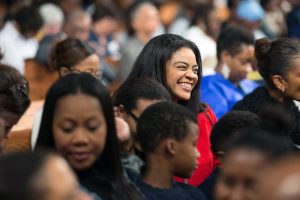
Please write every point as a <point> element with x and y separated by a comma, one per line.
<point>182,74</point>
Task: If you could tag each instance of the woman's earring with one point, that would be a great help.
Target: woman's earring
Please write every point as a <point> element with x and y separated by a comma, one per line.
<point>283,90</point>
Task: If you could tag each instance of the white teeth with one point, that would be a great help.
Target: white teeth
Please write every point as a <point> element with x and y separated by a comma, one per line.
<point>186,86</point>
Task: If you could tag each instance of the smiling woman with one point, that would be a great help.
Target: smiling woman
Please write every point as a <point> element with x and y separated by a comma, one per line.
<point>175,62</point>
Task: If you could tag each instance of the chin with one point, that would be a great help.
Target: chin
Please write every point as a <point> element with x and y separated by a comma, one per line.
<point>184,97</point>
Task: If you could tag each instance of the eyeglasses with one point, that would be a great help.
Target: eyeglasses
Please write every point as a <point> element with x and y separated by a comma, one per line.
<point>97,73</point>
<point>132,115</point>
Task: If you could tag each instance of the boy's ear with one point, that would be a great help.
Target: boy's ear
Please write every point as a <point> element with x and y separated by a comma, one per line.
<point>171,146</point>
<point>120,111</point>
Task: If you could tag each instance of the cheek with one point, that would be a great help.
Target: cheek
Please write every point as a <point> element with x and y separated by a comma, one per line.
<point>99,141</point>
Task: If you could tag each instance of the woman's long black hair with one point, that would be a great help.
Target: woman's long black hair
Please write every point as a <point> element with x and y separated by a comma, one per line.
<point>152,62</point>
<point>105,177</point>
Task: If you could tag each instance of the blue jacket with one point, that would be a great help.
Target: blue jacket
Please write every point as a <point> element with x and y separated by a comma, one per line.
<point>221,94</point>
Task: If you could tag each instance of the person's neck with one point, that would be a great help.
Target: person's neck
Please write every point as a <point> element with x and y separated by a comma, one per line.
<point>218,68</point>
<point>158,173</point>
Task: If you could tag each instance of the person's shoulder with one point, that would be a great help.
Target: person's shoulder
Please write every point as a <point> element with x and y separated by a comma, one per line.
<point>215,81</point>
<point>208,113</point>
<point>191,191</point>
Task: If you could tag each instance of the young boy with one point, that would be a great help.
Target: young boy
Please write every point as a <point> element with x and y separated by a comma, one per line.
<point>131,99</point>
<point>168,134</point>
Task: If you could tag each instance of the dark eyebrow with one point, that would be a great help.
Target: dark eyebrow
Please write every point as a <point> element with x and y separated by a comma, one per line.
<point>181,62</point>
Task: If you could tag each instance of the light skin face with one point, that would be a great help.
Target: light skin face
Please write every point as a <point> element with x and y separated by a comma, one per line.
<point>181,74</point>
<point>146,19</point>
<point>291,81</point>
<point>238,178</point>
<point>79,130</point>
<point>185,160</point>
<point>89,65</point>
<point>55,174</point>
<point>240,64</point>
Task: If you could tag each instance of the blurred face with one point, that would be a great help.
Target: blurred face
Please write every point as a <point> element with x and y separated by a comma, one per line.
<point>146,20</point>
<point>238,178</point>
<point>292,81</point>
<point>79,28</point>
<point>89,65</point>
<point>105,26</point>
<point>186,159</point>
<point>56,174</point>
<point>79,130</point>
<point>182,74</point>
<point>240,64</point>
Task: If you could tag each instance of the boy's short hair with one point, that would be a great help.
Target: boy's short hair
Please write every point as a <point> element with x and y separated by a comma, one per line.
<point>228,125</point>
<point>160,121</point>
<point>139,88</point>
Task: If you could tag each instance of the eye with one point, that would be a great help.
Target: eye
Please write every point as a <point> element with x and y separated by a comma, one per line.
<point>93,128</point>
<point>67,127</point>
<point>195,70</point>
<point>181,67</point>
<point>93,125</point>
<point>229,181</point>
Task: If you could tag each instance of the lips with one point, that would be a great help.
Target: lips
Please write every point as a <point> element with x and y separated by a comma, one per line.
<point>80,156</point>
<point>186,86</point>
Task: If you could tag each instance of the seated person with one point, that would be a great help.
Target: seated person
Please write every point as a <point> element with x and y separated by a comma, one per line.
<point>131,99</point>
<point>14,99</point>
<point>168,135</point>
<point>223,130</point>
<point>235,53</point>
<point>40,178</point>
<point>247,154</point>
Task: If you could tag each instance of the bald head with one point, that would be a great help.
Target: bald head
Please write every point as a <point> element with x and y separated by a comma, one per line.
<point>282,181</point>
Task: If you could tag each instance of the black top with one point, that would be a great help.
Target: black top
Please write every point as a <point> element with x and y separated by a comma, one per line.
<point>208,185</point>
<point>260,98</point>
<point>179,191</point>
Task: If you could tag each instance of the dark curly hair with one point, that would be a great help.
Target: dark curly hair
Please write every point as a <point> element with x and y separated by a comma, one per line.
<point>163,120</point>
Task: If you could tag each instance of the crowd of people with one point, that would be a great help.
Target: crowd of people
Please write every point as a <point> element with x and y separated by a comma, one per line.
<point>181,100</point>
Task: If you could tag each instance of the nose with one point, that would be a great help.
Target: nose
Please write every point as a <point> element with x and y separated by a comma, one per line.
<point>191,74</point>
<point>238,193</point>
<point>80,137</point>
